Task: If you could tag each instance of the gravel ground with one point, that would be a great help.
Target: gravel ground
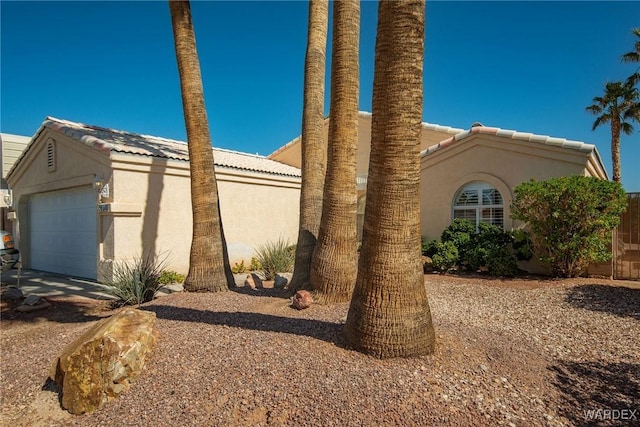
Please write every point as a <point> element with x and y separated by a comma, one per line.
<point>513,353</point>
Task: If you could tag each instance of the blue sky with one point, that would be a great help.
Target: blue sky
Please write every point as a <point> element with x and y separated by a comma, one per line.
<point>526,66</point>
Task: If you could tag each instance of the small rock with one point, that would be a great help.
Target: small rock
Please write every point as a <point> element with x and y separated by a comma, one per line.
<point>249,283</point>
<point>170,288</point>
<point>12,293</point>
<point>33,299</point>
<point>33,302</point>
<point>484,368</point>
<point>427,264</point>
<point>280,281</point>
<point>302,300</point>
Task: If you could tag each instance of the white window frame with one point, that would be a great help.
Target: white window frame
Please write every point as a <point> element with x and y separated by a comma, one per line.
<point>478,203</point>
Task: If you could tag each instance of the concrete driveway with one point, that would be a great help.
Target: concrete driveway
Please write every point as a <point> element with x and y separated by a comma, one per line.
<point>53,285</point>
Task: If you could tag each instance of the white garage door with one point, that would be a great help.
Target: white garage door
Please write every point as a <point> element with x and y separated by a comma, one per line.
<point>63,232</point>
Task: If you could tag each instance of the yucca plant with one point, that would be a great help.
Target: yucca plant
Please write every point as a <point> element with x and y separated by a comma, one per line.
<point>275,257</point>
<point>136,281</point>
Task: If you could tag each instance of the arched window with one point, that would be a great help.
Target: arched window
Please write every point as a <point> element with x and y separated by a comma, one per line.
<point>479,202</point>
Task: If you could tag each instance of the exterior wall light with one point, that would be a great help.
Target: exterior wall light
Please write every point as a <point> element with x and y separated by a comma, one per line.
<point>98,184</point>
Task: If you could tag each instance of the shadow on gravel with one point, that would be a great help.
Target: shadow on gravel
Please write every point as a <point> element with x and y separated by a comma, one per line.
<point>261,292</point>
<point>62,310</point>
<point>325,331</point>
<point>618,300</point>
<point>591,388</point>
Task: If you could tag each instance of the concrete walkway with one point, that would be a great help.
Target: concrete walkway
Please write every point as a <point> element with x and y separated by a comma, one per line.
<point>53,285</point>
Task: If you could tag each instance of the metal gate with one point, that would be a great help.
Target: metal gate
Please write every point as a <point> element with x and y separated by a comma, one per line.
<point>626,248</point>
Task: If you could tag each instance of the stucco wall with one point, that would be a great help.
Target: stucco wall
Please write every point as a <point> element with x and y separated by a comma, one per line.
<point>148,208</point>
<point>151,210</point>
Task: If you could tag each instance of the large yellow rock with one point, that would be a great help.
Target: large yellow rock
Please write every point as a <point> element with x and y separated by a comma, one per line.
<point>101,363</point>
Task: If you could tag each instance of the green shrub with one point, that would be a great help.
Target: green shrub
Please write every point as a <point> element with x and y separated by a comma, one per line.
<point>489,240</point>
<point>570,219</point>
<point>137,281</point>
<point>167,277</point>
<point>460,233</point>
<point>444,256</point>
<point>239,268</point>
<point>429,248</point>
<point>500,262</point>
<point>275,257</point>
<point>522,245</point>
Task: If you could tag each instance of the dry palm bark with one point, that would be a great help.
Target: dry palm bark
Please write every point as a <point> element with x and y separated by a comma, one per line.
<point>209,268</point>
<point>389,315</point>
<point>333,267</point>
<point>314,149</point>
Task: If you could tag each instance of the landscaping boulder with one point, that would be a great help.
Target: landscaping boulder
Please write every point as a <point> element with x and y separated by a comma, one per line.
<point>302,300</point>
<point>102,362</point>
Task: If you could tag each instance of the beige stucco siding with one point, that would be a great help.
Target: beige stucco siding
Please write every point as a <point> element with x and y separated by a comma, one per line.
<point>148,207</point>
<point>503,164</point>
<point>151,209</point>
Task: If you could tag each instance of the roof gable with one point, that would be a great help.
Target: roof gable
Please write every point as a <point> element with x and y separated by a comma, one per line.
<point>588,150</point>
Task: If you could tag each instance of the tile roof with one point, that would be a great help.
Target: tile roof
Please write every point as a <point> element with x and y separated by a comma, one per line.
<point>512,134</point>
<point>111,140</point>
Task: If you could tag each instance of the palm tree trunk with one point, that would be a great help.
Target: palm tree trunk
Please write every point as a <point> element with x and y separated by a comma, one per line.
<point>615,149</point>
<point>389,314</point>
<point>209,268</point>
<point>314,149</point>
<point>333,267</point>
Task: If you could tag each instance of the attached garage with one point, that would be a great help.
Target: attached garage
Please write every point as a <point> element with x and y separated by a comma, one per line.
<point>62,232</point>
<point>65,225</point>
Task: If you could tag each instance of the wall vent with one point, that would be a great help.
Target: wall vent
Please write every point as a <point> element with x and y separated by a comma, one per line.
<point>51,155</point>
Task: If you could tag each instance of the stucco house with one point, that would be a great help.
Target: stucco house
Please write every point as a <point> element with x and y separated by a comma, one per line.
<point>85,196</point>
<point>471,173</point>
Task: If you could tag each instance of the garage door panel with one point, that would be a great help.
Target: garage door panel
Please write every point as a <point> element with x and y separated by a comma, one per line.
<point>63,232</point>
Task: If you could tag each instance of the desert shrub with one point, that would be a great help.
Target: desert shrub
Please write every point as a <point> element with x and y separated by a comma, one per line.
<point>570,220</point>
<point>275,257</point>
<point>167,277</point>
<point>135,281</point>
<point>239,268</point>
<point>444,255</point>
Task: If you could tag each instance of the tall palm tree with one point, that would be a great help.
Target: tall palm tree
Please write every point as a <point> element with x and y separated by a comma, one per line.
<point>619,106</point>
<point>634,56</point>
<point>333,266</point>
<point>209,268</point>
<point>314,148</point>
<point>389,314</point>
